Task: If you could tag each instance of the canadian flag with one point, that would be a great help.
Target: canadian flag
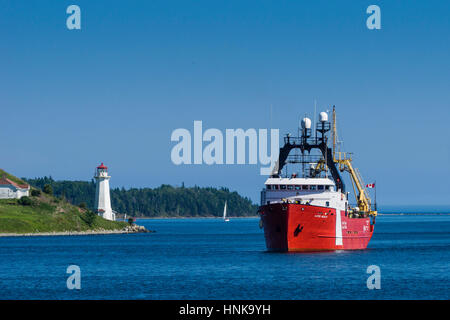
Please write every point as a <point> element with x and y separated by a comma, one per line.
<point>370,185</point>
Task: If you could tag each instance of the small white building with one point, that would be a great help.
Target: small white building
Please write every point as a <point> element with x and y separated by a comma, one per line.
<point>11,190</point>
<point>102,195</point>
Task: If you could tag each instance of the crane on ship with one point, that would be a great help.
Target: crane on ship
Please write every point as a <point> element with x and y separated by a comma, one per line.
<point>344,162</point>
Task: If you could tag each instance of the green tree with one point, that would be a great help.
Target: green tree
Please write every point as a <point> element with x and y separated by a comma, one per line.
<point>25,201</point>
<point>90,217</point>
<point>83,205</point>
<point>48,189</point>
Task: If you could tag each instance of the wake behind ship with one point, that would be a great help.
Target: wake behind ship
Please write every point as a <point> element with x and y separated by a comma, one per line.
<point>312,212</point>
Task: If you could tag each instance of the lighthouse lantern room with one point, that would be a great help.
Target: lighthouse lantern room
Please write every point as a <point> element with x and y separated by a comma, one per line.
<point>102,196</point>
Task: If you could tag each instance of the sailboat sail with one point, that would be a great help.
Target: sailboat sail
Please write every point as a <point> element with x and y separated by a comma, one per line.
<point>225,212</point>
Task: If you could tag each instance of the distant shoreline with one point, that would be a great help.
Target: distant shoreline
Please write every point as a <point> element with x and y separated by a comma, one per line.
<point>231,218</point>
<point>76,233</point>
<point>106,232</point>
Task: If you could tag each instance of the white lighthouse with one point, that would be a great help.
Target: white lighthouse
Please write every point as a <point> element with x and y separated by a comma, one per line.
<point>102,197</point>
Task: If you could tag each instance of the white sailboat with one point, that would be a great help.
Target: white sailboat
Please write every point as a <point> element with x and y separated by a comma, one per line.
<point>225,213</point>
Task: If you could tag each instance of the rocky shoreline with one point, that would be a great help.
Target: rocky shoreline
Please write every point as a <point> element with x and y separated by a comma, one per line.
<point>128,229</point>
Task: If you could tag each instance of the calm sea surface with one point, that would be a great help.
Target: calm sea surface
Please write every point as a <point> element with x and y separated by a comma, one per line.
<point>210,259</point>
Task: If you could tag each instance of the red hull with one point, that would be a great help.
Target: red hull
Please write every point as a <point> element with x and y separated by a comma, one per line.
<point>297,227</point>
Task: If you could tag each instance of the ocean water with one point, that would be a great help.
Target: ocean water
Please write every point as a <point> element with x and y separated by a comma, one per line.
<point>210,259</point>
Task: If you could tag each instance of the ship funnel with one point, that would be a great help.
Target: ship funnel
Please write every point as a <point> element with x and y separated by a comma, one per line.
<point>323,116</point>
<point>306,123</point>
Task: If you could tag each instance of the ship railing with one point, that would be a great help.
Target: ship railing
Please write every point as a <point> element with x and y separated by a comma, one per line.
<point>354,206</point>
<point>299,158</point>
<point>299,140</point>
<point>342,156</point>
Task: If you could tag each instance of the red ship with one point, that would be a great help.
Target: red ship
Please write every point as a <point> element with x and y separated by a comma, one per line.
<point>312,212</point>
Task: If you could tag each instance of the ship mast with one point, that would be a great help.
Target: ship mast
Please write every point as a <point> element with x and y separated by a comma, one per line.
<point>334,133</point>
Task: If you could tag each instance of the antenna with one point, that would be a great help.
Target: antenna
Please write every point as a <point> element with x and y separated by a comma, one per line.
<point>314,123</point>
<point>326,162</point>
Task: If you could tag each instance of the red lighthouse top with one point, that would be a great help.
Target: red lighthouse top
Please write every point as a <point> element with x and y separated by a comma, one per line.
<point>102,166</point>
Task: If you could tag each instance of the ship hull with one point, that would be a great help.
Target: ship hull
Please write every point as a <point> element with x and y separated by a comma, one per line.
<point>297,227</point>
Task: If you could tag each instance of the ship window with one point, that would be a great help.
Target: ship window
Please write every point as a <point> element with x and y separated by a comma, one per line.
<point>305,187</point>
<point>269,187</point>
<point>297,187</point>
<point>290,187</point>
<point>283,187</point>
<point>327,203</point>
<point>275,186</point>
<point>320,187</point>
<point>312,187</point>
<point>327,188</point>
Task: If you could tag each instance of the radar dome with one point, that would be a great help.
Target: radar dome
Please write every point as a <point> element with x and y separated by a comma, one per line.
<point>323,116</point>
<point>306,123</point>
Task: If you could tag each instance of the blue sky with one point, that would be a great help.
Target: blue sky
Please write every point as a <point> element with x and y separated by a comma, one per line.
<point>116,89</point>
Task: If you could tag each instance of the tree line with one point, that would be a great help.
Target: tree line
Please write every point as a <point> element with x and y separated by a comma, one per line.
<point>164,201</point>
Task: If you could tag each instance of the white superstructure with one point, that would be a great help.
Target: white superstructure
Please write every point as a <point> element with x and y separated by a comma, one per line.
<point>102,195</point>
<point>313,191</point>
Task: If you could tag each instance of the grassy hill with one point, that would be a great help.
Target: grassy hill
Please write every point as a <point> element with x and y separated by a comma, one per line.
<point>46,213</point>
